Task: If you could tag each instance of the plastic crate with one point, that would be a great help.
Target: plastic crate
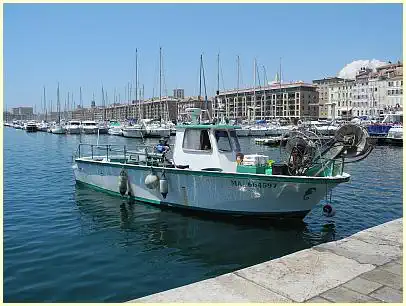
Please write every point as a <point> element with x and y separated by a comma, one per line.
<point>251,169</point>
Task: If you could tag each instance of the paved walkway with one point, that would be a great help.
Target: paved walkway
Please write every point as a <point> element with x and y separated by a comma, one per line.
<point>365,267</point>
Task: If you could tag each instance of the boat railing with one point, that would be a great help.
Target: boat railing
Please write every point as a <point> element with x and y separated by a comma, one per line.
<point>111,151</point>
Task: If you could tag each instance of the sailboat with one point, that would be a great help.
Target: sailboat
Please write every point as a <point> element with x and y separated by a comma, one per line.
<point>133,130</point>
<point>102,126</point>
<point>58,128</point>
<point>43,126</point>
<point>160,129</point>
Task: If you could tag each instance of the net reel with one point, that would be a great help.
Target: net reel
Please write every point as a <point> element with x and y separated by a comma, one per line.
<point>301,151</point>
<point>355,142</point>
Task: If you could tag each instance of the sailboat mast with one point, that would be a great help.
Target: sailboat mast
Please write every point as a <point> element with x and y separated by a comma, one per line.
<point>58,105</point>
<point>80,97</point>
<point>204,84</point>
<point>72,107</point>
<point>67,110</point>
<point>264,105</point>
<point>255,83</point>
<point>218,73</point>
<point>238,82</point>
<point>200,77</point>
<point>103,103</point>
<point>280,83</point>
<point>45,105</point>
<point>136,83</point>
<point>160,82</point>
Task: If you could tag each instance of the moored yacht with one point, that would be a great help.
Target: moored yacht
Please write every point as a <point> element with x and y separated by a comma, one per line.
<point>115,128</point>
<point>395,136</point>
<point>89,127</point>
<point>157,130</point>
<point>30,126</point>
<point>134,130</point>
<point>73,127</point>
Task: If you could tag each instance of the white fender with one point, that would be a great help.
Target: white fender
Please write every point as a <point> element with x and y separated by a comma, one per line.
<point>151,181</point>
<point>122,182</point>
<point>163,186</point>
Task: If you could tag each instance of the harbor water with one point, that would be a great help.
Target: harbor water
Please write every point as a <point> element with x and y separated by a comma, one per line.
<point>69,243</point>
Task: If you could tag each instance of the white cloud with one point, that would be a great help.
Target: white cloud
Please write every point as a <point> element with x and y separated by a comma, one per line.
<point>351,69</point>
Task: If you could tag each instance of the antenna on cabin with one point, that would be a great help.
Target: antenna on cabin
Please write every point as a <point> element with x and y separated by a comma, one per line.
<point>194,112</point>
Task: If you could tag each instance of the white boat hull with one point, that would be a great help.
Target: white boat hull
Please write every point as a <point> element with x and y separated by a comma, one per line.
<point>134,133</point>
<point>242,132</point>
<point>102,130</point>
<point>257,132</point>
<point>115,131</point>
<point>58,130</point>
<point>89,130</point>
<point>73,130</point>
<point>156,133</point>
<point>232,193</point>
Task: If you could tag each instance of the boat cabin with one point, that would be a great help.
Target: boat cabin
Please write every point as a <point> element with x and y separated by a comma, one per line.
<point>210,147</point>
<point>74,122</point>
<point>89,123</point>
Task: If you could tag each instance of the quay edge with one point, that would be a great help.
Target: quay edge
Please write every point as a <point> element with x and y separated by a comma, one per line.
<point>365,267</point>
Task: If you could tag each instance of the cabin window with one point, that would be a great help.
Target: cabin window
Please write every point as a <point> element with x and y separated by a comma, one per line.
<point>196,140</point>
<point>234,141</point>
<point>223,142</point>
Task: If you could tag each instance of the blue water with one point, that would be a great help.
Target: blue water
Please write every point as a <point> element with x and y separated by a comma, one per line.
<point>66,243</point>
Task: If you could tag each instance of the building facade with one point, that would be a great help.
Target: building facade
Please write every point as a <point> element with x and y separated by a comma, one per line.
<point>23,113</point>
<point>167,109</point>
<point>376,93</point>
<point>340,104</point>
<point>371,93</point>
<point>179,93</point>
<point>323,87</point>
<point>274,101</point>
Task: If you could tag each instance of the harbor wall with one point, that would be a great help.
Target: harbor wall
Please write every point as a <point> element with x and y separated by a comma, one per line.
<point>365,267</point>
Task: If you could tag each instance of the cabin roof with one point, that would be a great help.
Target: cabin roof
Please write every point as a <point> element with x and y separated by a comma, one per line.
<point>208,126</point>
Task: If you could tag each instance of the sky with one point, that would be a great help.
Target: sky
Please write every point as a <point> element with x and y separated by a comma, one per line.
<point>93,45</point>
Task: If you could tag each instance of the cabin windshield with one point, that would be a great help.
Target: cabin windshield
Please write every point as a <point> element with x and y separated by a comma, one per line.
<point>196,140</point>
<point>234,141</point>
<point>223,141</point>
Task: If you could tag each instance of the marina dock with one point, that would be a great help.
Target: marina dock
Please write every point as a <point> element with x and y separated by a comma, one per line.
<point>365,267</point>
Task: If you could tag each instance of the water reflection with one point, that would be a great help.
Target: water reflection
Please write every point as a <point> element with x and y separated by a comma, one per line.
<point>220,243</point>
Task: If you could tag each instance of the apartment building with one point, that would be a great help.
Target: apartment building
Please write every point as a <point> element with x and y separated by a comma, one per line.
<point>378,92</point>
<point>340,103</point>
<point>273,101</point>
<point>323,87</point>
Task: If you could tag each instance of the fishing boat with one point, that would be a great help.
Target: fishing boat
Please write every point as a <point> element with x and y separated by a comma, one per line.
<point>208,158</point>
